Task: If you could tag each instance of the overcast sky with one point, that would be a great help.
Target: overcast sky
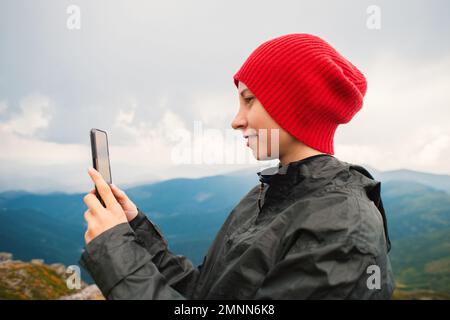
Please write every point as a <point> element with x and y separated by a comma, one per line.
<point>144,70</point>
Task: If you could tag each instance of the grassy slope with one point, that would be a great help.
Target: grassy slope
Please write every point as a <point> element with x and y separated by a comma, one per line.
<point>22,280</point>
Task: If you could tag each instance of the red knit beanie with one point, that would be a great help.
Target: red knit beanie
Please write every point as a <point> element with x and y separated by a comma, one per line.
<point>305,85</point>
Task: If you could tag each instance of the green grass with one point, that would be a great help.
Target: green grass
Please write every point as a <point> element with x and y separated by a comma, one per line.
<point>421,263</point>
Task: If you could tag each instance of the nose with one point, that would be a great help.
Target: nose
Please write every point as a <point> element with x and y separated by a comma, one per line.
<point>239,121</point>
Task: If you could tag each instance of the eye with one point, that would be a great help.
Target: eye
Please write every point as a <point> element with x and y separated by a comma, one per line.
<point>249,99</point>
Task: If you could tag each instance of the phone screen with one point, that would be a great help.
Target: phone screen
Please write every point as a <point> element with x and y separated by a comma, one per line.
<point>102,155</point>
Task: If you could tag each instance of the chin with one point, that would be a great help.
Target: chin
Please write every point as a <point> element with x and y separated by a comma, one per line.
<point>264,157</point>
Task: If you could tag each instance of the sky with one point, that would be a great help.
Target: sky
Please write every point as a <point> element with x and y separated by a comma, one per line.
<point>152,73</point>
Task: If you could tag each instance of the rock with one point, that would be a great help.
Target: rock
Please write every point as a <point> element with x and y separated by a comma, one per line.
<point>91,292</point>
<point>5,256</point>
<point>37,261</point>
<point>59,268</point>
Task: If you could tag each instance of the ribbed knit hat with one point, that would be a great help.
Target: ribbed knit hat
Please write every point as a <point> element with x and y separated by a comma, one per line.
<point>305,85</point>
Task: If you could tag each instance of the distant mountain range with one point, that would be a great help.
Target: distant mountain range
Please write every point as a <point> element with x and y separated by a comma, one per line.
<point>50,227</point>
<point>190,212</point>
<point>436,181</point>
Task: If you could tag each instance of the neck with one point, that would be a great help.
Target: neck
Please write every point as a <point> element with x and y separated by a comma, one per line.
<point>298,152</point>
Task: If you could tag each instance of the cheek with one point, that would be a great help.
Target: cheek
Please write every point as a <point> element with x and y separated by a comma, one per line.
<point>257,116</point>
<point>253,119</point>
<point>285,140</point>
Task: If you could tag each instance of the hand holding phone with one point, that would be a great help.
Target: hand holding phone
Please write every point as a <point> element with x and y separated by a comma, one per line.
<point>100,157</point>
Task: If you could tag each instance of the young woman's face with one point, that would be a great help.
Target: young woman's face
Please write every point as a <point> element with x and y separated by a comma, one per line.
<point>263,133</point>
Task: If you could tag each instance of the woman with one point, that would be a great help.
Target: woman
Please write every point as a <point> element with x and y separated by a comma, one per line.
<point>314,228</point>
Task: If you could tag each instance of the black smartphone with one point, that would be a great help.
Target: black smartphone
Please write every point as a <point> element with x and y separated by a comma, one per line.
<point>100,157</point>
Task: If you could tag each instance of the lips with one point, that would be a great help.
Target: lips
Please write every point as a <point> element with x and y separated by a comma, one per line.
<point>248,139</point>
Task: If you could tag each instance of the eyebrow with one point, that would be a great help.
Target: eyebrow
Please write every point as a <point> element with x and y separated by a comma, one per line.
<point>243,91</point>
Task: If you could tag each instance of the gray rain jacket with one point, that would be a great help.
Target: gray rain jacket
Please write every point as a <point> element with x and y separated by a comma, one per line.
<point>314,229</point>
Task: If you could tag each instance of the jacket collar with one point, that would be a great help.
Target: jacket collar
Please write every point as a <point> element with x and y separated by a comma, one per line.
<point>294,172</point>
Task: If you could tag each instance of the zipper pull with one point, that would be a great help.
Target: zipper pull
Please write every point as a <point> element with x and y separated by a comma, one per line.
<point>261,188</point>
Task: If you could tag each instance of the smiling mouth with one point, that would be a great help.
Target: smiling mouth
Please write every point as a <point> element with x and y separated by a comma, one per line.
<point>248,139</point>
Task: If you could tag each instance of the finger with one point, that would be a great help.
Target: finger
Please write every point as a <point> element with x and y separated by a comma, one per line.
<point>87,215</point>
<point>90,219</point>
<point>103,188</point>
<point>87,236</point>
<point>92,191</point>
<point>94,205</point>
<point>118,193</point>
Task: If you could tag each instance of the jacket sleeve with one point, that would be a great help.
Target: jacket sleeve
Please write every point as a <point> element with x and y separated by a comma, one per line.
<point>177,269</point>
<point>138,265</point>
<point>336,270</point>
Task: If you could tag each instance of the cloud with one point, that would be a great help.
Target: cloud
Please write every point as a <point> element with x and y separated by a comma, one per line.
<point>215,109</point>
<point>425,150</point>
<point>3,107</point>
<point>34,115</point>
<point>146,72</point>
<point>430,146</point>
<point>404,120</point>
<point>31,163</point>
